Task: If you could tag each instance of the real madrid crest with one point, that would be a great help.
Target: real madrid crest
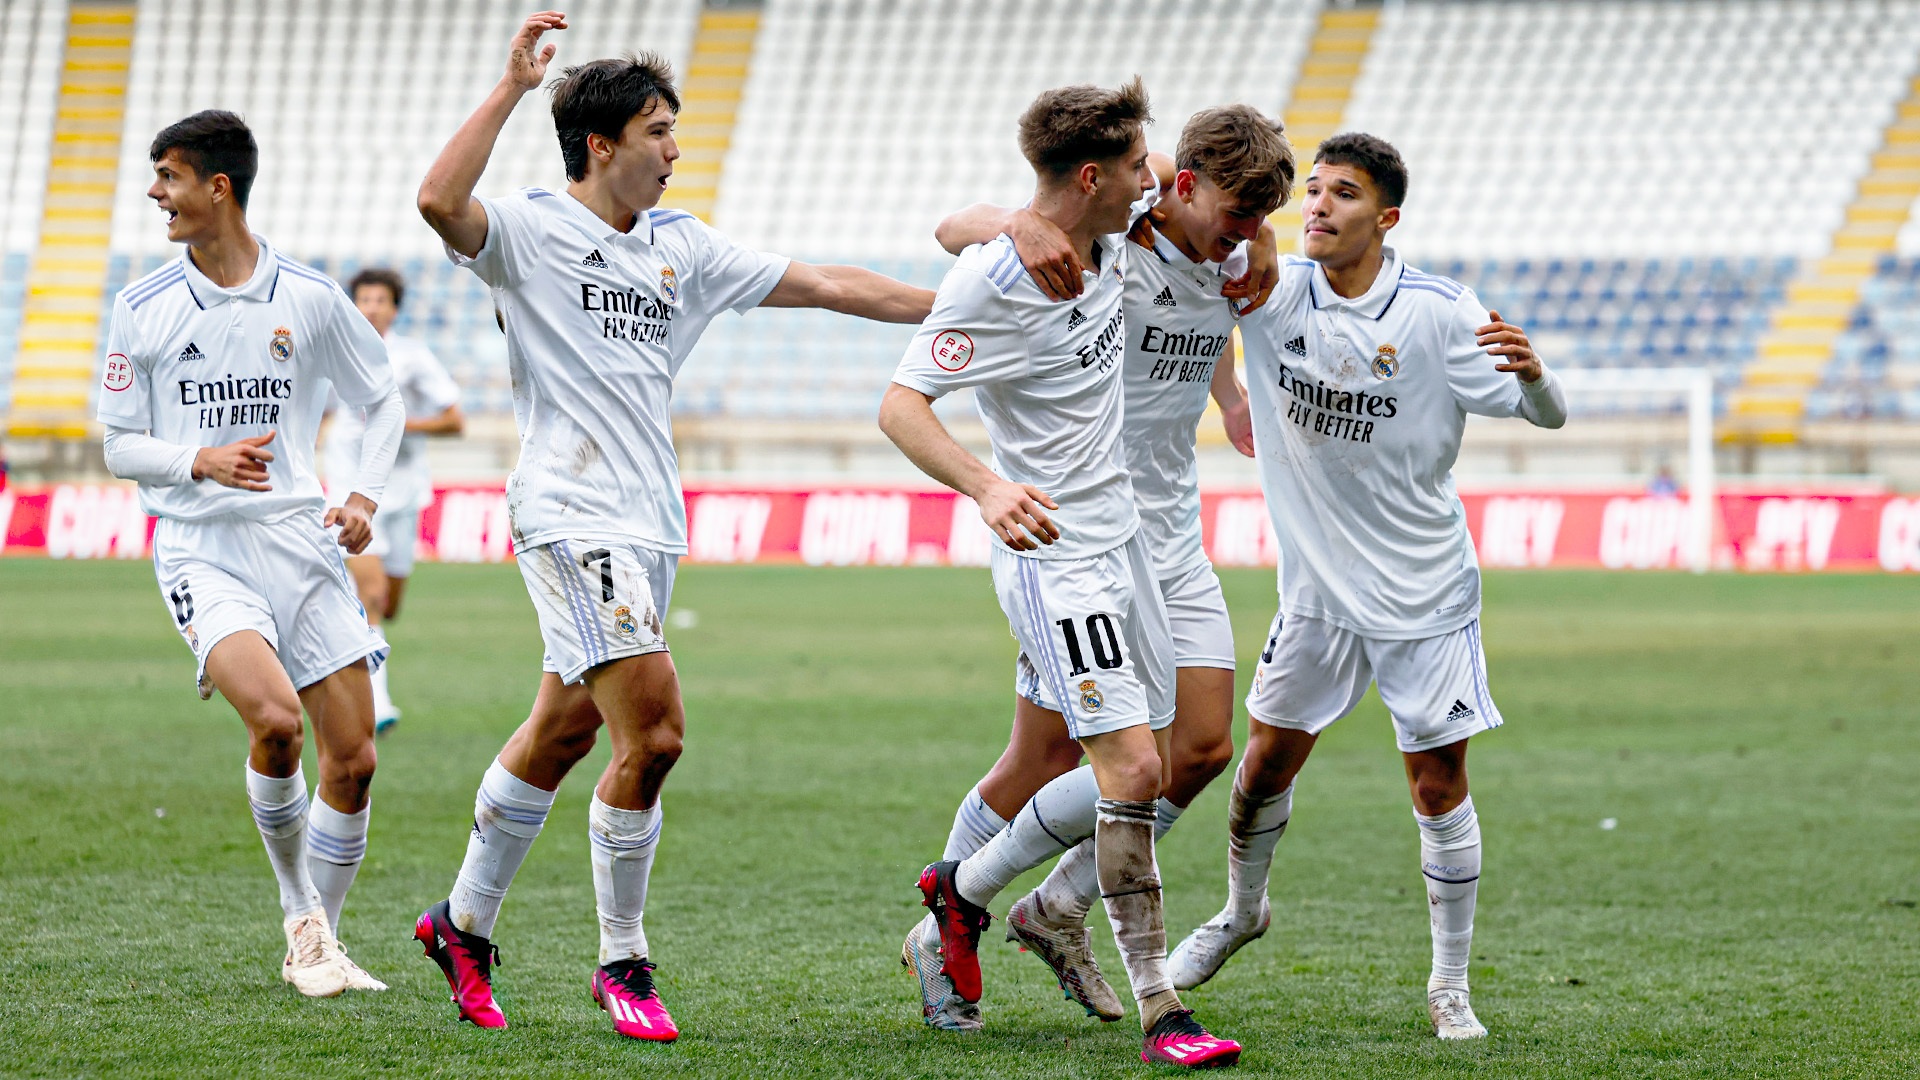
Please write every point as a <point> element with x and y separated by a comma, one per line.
<point>282,344</point>
<point>623,622</point>
<point>1090,699</point>
<point>667,288</point>
<point>1386,363</point>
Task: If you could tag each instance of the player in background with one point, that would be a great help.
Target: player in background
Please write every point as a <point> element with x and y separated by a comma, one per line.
<point>433,408</point>
<point>603,297</point>
<point>1072,569</point>
<point>217,372</point>
<point>1362,372</point>
<point>1191,253</point>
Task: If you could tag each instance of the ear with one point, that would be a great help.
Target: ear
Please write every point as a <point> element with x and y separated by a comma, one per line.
<point>600,147</point>
<point>1088,177</point>
<point>222,185</point>
<point>1389,218</point>
<point>1185,184</point>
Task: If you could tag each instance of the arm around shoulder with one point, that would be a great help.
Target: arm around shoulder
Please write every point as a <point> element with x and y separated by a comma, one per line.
<point>850,290</point>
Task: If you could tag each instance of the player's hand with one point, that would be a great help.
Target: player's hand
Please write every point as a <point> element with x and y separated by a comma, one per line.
<point>1047,254</point>
<point>240,464</point>
<point>526,61</point>
<point>1014,513</point>
<point>1505,339</point>
<point>356,522</point>
<point>1238,421</point>
<point>1263,273</point>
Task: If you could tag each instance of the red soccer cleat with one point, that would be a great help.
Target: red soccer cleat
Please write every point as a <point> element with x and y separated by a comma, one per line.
<point>467,960</point>
<point>1176,1039</point>
<point>625,990</point>
<point>960,921</point>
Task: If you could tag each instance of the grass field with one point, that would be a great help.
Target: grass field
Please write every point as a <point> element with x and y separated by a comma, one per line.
<point>1752,915</point>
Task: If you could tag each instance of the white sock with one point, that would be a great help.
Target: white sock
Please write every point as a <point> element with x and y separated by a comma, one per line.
<point>1058,816</point>
<point>336,843</point>
<point>1130,890</point>
<point>623,843</point>
<point>382,700</point>
<point>1254,826</point>
<point>280,811</point>
<point>507,815</point>
<point>1069,891</point>
<point>1450,862</point>
<point>974,824</point>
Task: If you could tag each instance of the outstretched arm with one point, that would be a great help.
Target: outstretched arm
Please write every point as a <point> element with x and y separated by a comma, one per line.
<point>446,195</point>
<point>1013,511</point>
<point>850,290</point>
<point>1044,248</point>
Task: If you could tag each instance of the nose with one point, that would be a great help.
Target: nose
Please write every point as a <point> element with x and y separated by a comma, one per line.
<point>672,149</point>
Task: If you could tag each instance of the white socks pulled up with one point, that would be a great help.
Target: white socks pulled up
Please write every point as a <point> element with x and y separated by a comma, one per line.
<point>280,812</point>
<point>974,824</point>
<point>1450,863</point>
<point>1058,817</point>
<point>1255,825</point>
<point>336,845</point>
<point>1130,889</point>
<point>1069,891</point>
<point>623,843</point>
<point>507,814</point>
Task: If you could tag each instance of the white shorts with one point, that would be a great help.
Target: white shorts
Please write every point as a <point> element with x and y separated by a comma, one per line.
<point>1197,613</point>
<point>285,580</point>
<point>1313,673</point>
<point>395,536</point>
<point>1093,635</point>
<point>597,601</point>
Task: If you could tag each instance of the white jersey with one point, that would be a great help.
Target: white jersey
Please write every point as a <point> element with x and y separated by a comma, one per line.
<point>598,323</point>
<point>1177,326</point>
<point>1358,406</point>
<point>427,391</point>
<point>199,365</point>
<point>1048,375</point>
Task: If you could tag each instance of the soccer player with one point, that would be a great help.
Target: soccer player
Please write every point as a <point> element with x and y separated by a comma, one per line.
<point>603,297</point>
<point>433,408</point>
<point>1072,571</point>
<point>217,372</point>
<point>1232,168</point>
<point>1363,370</point>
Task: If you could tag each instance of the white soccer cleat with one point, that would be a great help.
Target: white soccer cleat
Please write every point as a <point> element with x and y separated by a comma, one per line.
<point>1207,949</point>
<point>940,1006</point>
<point>1068,950</point>
<point>1453,1016</point>
<point>357,977</point>
<point>314,965</point>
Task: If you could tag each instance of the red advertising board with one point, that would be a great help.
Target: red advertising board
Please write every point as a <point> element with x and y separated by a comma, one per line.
<point>1795,529</point>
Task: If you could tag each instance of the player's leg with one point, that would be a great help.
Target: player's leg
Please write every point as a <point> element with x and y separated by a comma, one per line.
<point>403,538</point>
<point>247,672</point>
<point>1436,690</point>
<point>341,708</point>
<point>1310,675</point>
<point>396,591</point>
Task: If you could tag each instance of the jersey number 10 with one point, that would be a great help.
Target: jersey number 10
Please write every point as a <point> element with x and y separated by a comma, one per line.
<point>1100,633</point>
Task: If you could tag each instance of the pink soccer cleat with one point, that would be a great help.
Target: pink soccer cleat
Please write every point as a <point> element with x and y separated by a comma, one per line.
<point>625,989</point>
<point>960,921</point>
<point>467,960</point>
<point>1176,1039</point>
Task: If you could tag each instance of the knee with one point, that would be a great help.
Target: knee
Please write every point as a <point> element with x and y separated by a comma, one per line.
<point>1208,761</point>
<point>1435,794</point>
<point>275,728</point>
<point>1136,779</point>
<point>659,746</point>
<point>353,766</point>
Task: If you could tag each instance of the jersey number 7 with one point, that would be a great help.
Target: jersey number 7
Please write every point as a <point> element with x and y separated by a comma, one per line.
<point>605,559</point>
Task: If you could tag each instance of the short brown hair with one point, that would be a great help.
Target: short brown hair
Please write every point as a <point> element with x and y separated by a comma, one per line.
<point>378,275</point>
<point>1244,154</point>
<point>1371,155</point>
<point>599,97</point>
<point>1072,125</point>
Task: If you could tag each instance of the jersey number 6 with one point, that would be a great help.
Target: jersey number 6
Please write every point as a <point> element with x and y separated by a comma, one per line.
<point>1100,632</point>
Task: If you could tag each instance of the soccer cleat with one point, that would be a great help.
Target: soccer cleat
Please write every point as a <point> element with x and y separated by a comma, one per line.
<point>940,1007</point>
<point>960,921</point>
<point>385,723</point>
<point>625,990</point>
<point>1453,1016</point>
<point>1207,949</point>
<point>357,977</point>
<point>314,964</point>
<point>1178,1040</point>
<point>1068,950</point>
<point>467,960</point>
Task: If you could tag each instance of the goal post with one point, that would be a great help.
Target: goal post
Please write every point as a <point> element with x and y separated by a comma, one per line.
<point>1695,386</point>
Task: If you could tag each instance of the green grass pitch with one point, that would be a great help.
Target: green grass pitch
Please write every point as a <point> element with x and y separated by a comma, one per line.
<point>1752,915</point>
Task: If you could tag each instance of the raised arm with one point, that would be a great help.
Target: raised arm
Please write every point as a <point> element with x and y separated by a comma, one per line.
<point>1543,403</point>
<point>446,195</point>
<point>850,290</point>
<point>1236,415</point>
<point>1013,511</point>
<point>1044,248</point>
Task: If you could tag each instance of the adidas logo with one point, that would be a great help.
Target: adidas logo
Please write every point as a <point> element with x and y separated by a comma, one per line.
<point>1074,318</point>
<point>191,352</point>
<point>1298,346</point>
<point>594,260</point>
<point>1165,299</point>
<point>1459,712</point>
